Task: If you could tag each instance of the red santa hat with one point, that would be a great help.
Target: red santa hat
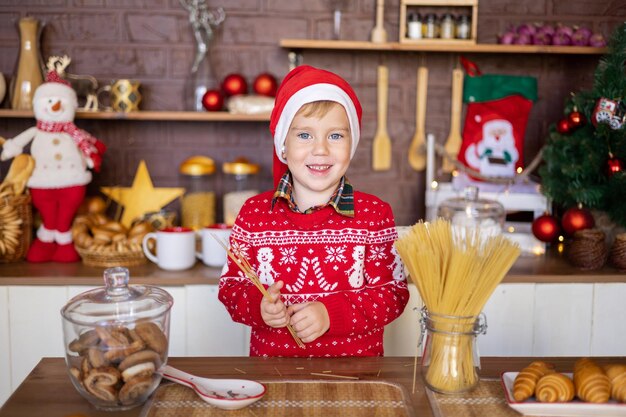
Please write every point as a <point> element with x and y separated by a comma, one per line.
<point>306,84</point>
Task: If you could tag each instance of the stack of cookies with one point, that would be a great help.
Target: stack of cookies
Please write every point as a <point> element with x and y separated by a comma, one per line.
<point>588,249</point>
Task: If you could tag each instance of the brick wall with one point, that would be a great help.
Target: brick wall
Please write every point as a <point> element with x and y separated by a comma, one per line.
<point>150,40</point>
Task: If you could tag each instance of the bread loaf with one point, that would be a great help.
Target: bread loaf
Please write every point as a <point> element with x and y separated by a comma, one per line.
<point>554,387</point>
<point>526,381</point>
<point>617,377</point>
<point>592,384</point>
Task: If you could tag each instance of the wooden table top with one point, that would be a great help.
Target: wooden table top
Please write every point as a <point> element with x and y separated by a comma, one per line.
<point>47,391</point>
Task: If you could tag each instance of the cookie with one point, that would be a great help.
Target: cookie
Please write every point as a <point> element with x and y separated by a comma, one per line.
<point>152,335</point>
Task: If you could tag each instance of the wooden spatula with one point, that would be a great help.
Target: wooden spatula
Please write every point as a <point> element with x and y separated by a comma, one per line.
<point>417,152</point>
<point>453,143</point>
<point>381,150</point>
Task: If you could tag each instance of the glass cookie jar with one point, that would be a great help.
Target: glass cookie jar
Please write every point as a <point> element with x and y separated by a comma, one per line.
<point>240,183</point>
<point>472,214</point>
<point>116,338</point>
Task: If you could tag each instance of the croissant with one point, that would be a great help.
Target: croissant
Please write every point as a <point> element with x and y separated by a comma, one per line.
<point>617,376</point>
<point>554,387</point>
<point>526,380</point>
<point>592,384</point>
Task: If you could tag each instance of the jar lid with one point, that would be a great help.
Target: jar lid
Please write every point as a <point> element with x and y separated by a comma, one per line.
<point>240,166</point>
<point>471,207</point>
<point>197,166</point>
<point>117,301</point>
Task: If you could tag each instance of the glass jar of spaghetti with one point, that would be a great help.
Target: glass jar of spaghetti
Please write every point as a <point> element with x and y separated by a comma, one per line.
<point>240,183</point>
<point>198,205</point>
<point>449,355</point>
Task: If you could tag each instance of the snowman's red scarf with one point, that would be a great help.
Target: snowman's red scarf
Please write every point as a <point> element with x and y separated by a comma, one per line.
<point>90,146</point>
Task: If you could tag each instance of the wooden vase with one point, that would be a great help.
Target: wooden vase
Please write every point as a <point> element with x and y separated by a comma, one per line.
<point>28,74</point>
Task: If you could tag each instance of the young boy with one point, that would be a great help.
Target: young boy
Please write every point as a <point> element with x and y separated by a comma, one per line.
<point>324,251</point>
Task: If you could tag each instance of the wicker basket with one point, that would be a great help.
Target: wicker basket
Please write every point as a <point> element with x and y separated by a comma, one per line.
<point>109,259</point>
<point>21,205</point>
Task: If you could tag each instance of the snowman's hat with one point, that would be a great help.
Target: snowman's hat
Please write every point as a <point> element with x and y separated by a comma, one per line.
<point>55,86</point>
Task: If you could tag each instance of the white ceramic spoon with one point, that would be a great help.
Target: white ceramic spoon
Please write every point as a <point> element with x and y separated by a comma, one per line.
<point>228,394</point>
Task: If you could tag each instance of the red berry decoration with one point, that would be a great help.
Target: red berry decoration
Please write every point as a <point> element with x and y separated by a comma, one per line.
<point>265,85</point>
<point>576,119</point>
<point>213,100</point>
<point>563,126</point>
<point>576,219</point>
<point>614,165</point>
<point>234,84</point>
<point>546,228</point>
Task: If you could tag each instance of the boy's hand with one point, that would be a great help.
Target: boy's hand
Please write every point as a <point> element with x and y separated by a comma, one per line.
<point>309,320</point>
<point>273,310</point>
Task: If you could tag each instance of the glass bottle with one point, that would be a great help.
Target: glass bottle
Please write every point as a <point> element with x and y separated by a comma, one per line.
<point>447,26</point>
<point>198,205</point>
<point>200,80</point>
<point>463,27</point>
<point>241,183</point>
<point>414,26</point>
<point>430,27</point>
<point>450,358</point>
<point>28,71</point>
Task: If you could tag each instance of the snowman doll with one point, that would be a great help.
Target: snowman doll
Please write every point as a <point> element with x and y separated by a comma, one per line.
<point>63,154</point>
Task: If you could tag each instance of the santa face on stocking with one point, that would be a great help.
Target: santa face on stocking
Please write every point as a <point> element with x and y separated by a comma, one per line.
<point>62,154</point>
<point>495,153</point>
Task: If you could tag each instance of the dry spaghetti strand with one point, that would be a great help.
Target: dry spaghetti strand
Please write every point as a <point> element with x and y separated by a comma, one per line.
<point>248,271</point>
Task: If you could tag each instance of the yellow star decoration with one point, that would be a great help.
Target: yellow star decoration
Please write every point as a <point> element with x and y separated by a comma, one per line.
<point>142,197</point>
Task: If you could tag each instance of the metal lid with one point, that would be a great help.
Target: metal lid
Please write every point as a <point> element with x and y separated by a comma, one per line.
<point>240,166</point>
<point>197,166</point>
<point>117,302</point>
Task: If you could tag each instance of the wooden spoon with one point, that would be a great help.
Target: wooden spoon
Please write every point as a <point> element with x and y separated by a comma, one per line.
<point>417,152</point>
<point>379,35</point>
<point>453,143</point>
<point>381,150</point>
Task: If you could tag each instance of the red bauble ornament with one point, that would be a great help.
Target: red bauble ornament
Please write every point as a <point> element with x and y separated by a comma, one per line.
<point>213,100</point>
<point>576,119</point>
<point>563,126</point>
<point>546,228</point>
<point>614,165</point>
<point>265,85</point>
<point>576,219</point>
<point>234,84</point>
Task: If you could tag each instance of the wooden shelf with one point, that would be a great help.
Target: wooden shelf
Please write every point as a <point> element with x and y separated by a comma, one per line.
<point>549,268</point>
<point>188,116</point>
<point>438,46</point>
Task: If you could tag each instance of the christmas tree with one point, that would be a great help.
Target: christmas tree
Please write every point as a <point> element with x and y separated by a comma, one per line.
<point>585,152</point>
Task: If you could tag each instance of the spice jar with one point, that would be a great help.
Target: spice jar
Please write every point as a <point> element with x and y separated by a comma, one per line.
<point>240,183</point>
<point>116,339</point>
<point>470,213</point>
<point>414,26</point>
<point>463,27</point>
<point>430,27</point>
<point>447,26</point>
<point>449,353</point>
<point>198,206</point>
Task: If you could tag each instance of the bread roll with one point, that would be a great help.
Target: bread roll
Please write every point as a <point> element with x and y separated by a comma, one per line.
<point>526,381</point>
<point>617,377</point>
<point>554,387</point>
<point>592,384</point>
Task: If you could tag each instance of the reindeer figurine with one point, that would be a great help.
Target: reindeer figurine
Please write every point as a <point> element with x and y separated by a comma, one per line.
<point>85,86</point>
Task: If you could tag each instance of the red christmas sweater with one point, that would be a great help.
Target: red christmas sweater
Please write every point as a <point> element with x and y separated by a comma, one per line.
<point>347,263</point>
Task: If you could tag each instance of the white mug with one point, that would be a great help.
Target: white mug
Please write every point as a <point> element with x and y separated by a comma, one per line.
<point>175,248</point>
<point>213,254</point>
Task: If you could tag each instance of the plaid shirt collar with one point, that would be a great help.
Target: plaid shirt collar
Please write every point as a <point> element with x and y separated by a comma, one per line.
<point>342,199</point>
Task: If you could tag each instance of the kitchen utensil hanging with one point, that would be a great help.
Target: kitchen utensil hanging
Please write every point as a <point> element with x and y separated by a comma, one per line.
<point>381,149</point>
<point>379,35</point>
<point>417,151</point>
<point>453,143</point>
